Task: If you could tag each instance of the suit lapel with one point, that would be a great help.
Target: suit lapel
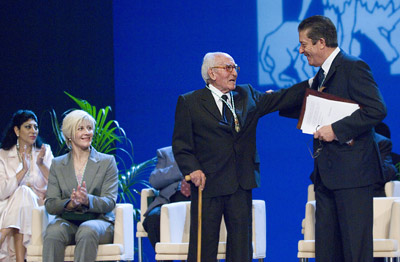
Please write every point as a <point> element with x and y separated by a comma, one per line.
<point>336,63</point>
<point>209,104</point>
<point>69,173</point>
<point>239,107</point>
<point>92,167</point>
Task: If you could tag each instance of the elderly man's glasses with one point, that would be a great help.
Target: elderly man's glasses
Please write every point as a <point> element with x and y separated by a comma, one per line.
<point>228,68</point>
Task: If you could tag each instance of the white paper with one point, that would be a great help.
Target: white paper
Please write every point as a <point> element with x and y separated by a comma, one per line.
<point>321,111</point>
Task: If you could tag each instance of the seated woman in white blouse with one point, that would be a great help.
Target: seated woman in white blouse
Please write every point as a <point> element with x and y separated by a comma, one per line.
<point>24,170</point>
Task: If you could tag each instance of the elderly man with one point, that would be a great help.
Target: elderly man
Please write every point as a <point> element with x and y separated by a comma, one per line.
<point>214,142</point>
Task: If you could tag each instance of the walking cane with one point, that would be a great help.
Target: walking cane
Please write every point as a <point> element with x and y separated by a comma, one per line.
<point>187,178</point>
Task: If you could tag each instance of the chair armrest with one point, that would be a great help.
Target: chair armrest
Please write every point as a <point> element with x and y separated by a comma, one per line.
<point>309,221</point>
<point>123,227</point>
<point>259,229</point>
<point>394,229</point>
<point>39,224</point>
<point>144,195</point>
<point>174,217</point>
<point>392,189</point>
<point>310,193</point>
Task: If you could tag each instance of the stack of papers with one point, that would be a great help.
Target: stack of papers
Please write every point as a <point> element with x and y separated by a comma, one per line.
<point>321,109</point>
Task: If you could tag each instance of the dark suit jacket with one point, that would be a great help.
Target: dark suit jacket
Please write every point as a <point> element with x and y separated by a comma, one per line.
<point>389,170</point>
<point>341,165</point>
<point>395,158</point>
<point>385,150</point>
<point>166,177</point>
<point>203,141</point>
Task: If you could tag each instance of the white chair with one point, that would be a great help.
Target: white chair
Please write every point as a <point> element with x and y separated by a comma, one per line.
<point>145,195</point>
<point>386,229</point>
<point>310,197</point>
<point>392,189</point>
<point>120,249</point>
<point>306,247</point>
<point>174,235</point>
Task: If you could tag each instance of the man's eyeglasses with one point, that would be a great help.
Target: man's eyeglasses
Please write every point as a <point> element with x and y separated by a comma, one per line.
<point>317,151</point>
<point>228,68</point>
<point>319,148</point>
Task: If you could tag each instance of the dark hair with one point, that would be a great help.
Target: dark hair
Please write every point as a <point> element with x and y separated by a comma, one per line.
<point>318,27</point>
<point>18,118</point>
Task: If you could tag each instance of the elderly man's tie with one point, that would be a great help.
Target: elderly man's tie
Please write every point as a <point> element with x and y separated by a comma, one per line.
<point>226,112</point>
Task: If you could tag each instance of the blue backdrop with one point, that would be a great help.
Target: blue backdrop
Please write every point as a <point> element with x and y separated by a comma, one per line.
<point>158,51</point>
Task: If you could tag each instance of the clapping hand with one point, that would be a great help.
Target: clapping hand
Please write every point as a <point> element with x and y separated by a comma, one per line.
<point>79,196</point>
<point>26,163</point>
<point>40,157</point>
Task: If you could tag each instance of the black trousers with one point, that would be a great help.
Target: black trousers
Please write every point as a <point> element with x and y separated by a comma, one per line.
<point>344,220</point>
<point>237,211</point>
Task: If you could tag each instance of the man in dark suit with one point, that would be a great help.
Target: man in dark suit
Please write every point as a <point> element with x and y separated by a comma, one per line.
<point>384,130</point>
<point>347,161</point>
<point>218,145</point>
<point>388,168</point>
<point>167,179</point>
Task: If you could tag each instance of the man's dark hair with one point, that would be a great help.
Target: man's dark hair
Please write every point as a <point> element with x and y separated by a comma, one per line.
<point>318,27</point>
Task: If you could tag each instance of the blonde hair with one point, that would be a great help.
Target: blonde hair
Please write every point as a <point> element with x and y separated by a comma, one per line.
<point>71,122</point>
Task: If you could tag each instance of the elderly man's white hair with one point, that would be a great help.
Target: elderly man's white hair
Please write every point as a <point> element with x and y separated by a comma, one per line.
<point>209,61</point>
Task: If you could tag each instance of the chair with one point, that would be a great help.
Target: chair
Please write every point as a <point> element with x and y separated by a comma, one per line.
<point>310,197</point>
<point>392,189</point>
<point>120,249</point>
<point>306,247</point>
<point>145,197</point>
<point>174,235</point>
<point>386,229</point>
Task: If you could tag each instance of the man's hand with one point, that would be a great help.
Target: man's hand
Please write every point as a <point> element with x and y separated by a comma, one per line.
<point>198,178</point>
<point>325,134</point>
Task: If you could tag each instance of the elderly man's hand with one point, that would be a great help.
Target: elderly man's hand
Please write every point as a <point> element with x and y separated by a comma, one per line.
<point>325,133</point>
<point>198,178</point>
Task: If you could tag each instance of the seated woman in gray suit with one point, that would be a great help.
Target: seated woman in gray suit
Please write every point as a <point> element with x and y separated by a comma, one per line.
<point>82,193</point>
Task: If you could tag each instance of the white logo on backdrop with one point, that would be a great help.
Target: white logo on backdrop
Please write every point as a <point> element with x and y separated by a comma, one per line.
<point>281,64</point>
